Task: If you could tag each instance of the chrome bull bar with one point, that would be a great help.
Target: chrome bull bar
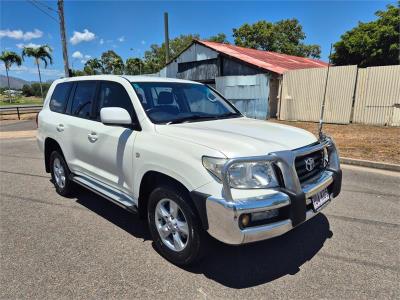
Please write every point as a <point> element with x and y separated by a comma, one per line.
<point>285,161</point>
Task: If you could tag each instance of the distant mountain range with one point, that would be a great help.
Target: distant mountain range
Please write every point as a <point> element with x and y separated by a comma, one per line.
<point>15,83</point>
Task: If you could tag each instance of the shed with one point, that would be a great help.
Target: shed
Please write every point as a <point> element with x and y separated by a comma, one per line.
<point>249,78</point>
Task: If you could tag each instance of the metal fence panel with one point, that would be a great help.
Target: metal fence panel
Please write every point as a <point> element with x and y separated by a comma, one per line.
<point>378,96</point>
<point>248,93</point>
<point>303,91</point>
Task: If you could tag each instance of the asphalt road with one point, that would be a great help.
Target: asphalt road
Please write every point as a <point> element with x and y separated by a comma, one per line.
<point>86,247</point>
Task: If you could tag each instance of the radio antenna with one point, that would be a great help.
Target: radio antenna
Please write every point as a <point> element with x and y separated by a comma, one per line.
<point>321,119</point>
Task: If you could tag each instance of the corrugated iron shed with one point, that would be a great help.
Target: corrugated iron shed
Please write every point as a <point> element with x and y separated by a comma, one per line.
<point>270,61</point>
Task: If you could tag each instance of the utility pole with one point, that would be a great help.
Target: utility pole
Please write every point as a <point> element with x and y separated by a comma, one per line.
<point>60,4</point>
<point>166,37</point>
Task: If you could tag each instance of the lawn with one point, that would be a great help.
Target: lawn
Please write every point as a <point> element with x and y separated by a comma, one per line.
<point>376,143</point>
<point>20,100</point>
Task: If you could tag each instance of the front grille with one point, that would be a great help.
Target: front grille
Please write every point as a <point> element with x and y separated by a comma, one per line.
<point>301,164</point>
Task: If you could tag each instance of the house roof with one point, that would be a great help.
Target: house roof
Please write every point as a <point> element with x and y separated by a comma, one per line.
<point>267,60</point>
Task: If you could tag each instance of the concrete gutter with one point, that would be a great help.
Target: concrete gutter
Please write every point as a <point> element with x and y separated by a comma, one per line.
<point>370,164</point>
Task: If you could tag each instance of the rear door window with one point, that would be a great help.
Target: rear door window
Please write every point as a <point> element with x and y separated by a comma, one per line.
<point>59,98</point>
<point>83,99</point>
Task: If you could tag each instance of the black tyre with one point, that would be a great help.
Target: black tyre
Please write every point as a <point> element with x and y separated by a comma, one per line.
<point>60,174</point>
<point>175,226</point>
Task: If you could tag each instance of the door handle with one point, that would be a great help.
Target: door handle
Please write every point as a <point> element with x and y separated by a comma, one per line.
<point>92,137</point>
<point>60,127</point>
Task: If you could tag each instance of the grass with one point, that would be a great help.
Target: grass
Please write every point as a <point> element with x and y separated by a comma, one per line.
<point>20,100</point>
<point>376,143</point>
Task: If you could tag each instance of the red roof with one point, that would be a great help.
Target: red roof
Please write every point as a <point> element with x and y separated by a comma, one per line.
<point>271,61</point>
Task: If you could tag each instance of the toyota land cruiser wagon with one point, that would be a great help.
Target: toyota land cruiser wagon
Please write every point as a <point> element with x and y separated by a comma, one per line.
<point>183,157</point>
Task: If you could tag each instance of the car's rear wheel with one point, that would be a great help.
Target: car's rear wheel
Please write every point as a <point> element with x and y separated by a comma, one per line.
<point>60,174</point>
<point>174,225</point>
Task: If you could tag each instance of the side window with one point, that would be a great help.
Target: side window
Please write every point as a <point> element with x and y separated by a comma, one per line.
<point>83,97</point>
<point>59,98</point>
<point>112,94</point>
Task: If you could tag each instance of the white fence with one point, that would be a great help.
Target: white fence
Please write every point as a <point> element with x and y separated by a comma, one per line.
<point>367,96</point>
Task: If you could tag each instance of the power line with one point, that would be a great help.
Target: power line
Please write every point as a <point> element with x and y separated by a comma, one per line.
<point>42,10</point>
<point>45,5</point>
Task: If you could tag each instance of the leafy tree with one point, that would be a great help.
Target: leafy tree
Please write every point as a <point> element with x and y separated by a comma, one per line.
<point>77,73</point>
<point>27,90</point>
<point>93,67</point>
<point>112,63</point>
<point>374,43</point>
<point>219,38</point>
<point>285,36</point>
<point>134,66</point>
<point>42,53</point>
<point>9,58</point>
<point>155,57</point>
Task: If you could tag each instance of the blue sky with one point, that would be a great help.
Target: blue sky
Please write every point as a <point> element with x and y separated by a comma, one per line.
<point>96,26</point>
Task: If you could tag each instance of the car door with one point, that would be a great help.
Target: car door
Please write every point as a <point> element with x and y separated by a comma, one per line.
<point>112,151</point>
<point>77,127</point>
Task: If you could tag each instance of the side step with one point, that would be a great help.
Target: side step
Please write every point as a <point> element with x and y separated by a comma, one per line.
<point>111,194</point>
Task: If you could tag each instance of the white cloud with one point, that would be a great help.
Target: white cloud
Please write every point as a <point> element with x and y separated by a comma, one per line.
<point>77,54</point>
<point>53,73</point>
<point>101,41</point>
<point>20,35</point>
<point>29,45</point>
<point>84,36</point>
<point>121,39</point>
<point>88,56</point>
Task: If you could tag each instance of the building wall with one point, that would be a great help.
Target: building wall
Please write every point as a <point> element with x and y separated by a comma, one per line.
<point>248,93</point>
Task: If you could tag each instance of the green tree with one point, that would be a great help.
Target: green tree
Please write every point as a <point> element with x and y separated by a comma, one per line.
<point>219,38</point>
<point>112,63</point>
<point>134,66</point>
<point>155,57</point>
<point>9,58</point>
<point>285,36</point>
<point>374,43</point>
<point>42,53</point>
<point>93,67</point>
<point>27,90</point>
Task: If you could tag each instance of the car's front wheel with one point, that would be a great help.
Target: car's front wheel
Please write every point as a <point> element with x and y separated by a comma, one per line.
<point>60,174</point>
<point>175,226</point>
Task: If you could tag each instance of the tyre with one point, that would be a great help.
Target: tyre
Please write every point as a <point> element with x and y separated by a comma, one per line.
<point>175,226</point>
<point>60,174</point>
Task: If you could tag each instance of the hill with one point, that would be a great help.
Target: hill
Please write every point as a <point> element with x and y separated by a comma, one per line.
<point>15,83</point>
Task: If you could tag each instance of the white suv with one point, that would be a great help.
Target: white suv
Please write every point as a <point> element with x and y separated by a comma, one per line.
<point>178,153</point>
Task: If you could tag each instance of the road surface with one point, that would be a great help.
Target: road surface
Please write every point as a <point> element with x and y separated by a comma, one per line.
<point>86,247</point>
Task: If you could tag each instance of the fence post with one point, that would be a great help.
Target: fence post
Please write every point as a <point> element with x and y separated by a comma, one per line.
<point>18,113</point>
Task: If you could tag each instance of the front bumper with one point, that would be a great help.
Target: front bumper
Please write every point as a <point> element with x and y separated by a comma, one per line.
<point>223,214</point>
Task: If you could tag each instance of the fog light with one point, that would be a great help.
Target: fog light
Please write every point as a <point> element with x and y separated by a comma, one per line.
<point>244,220</point>
<point>263,215</point>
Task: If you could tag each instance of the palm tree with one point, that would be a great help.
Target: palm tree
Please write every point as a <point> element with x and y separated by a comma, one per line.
<point>93,67</point>
<point>42,53</point>
<point>9,58</point>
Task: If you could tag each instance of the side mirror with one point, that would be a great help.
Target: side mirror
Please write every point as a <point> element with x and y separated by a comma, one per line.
<point>115,116</point>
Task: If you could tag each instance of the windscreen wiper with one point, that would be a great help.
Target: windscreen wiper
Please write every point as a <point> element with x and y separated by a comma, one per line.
<point>189,118</point>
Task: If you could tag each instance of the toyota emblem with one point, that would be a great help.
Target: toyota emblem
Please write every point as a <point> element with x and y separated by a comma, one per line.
<point>310,164</point>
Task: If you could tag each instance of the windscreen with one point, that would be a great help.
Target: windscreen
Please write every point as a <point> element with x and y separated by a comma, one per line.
<point>167,103</point>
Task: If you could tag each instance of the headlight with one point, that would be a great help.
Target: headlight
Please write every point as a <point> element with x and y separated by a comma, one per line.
<point>252,175</point>
<point>214,165</point>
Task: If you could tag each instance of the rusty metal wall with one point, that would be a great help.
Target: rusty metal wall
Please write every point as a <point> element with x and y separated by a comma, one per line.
<point>378,96</point>
<point>248,93</point>
<point>303,90</point>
